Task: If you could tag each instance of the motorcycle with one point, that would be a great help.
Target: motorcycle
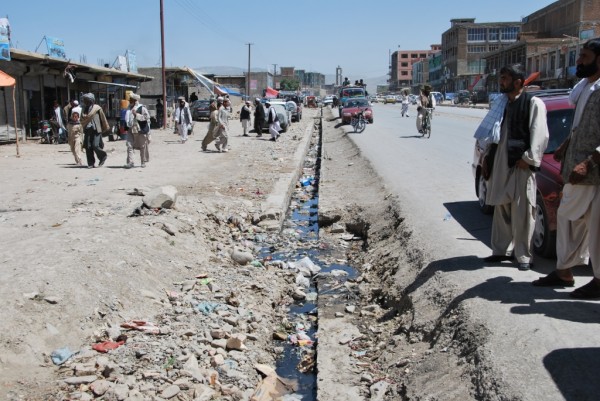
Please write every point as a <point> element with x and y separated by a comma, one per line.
<point>45,132</point>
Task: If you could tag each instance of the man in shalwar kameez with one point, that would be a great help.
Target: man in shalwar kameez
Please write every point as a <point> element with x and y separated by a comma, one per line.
<point>578,217</point>
<point>511,185</point>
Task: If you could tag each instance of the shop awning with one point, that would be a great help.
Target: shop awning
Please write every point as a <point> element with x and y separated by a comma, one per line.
<point>7,80</point>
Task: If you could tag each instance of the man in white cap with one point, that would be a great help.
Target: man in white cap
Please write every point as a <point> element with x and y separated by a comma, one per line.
<point>183,119</point>
<point>74,129</point>
<point>94,123</point>
<point>245,117</point>
<point>138,130</point>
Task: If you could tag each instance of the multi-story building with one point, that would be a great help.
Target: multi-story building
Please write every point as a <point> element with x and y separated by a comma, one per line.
<point>402,66</point>
<point>464,46</point>
<point>549,42</point>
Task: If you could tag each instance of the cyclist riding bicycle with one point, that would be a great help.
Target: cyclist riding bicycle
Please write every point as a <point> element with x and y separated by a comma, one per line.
<point>426,101</point>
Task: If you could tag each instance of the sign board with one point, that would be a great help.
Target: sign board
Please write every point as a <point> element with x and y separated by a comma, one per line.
<point>56,47</point>
<point>253,84</point>
<point>122,63</point>
<point>131,61</point>
<point>587,34</point>
<point>4,39</point>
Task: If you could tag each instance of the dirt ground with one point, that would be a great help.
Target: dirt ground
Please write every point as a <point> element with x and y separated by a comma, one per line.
<point>74,264</point>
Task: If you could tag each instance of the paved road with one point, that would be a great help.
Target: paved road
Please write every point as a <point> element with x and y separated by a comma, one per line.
<point>545,345</point>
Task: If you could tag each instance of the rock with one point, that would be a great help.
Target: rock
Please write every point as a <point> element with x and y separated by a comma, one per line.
<point>234,321</point>
<point>214,287</point>
<point>84,369</point>
<point>271,214</point>
<point>338,273</point>
<point>339,314</point>
<point>31,295</point>
<point>170,391</point>
<point>220,343</point>
<point>168,228</point>
<point>350,308</point>
<point>328,217</point>
<point>236,342</point>
<point>161,198</point>
<point>337,228</point>
<point>149,294</point>
<point>241,258</point>
<point>217,360</point>
<point>202,392</point>
<point>279,336</point>
<point>76,380</point>
<point>302,281</point>
<point>366,377</point>
<point>378,390</point>
<point>218,333</point>
<point>99,387</point>
<point>299,295</point>
<point>120,391</point>
<point>113,332</point>
<point>51,300</point>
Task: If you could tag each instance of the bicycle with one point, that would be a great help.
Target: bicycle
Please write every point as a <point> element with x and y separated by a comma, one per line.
<point>426,128</point>
<point>358,122</point>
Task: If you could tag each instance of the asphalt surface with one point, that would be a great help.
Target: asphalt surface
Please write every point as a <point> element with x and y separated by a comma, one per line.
<point>543,344</point>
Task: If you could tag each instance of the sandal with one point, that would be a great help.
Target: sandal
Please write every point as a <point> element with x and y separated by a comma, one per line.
<point>589,291</point>
<point>553,280</point>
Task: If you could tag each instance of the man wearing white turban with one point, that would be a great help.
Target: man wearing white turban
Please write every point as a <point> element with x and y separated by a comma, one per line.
<point>138,130</point>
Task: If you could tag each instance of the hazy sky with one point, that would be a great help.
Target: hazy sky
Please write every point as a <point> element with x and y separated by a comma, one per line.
<point>309,34</point>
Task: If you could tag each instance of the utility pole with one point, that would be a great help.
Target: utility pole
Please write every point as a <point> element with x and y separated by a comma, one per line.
<point>248,77</point>
<point>164,81</point>
<point>274,75</point>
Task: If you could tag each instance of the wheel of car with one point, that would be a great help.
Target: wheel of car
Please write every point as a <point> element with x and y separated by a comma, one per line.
<point>544,240</point>
<point>481,194</point>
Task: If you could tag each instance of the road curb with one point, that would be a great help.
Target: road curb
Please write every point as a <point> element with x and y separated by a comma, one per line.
<point>279,197</point>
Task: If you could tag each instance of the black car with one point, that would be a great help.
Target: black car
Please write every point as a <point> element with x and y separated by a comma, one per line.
<point>200,109</point>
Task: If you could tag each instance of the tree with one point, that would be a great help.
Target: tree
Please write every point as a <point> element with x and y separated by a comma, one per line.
<point>289,84</point>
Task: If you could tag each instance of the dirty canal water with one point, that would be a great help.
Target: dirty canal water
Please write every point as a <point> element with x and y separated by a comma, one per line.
<point>299,247</point>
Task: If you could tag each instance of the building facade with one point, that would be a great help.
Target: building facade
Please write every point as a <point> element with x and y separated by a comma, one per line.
<point>42,79</point>
<point>401,74</point>
<point>464,46</point>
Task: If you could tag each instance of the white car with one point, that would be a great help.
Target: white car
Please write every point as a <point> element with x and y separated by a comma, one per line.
<point>328,100</point>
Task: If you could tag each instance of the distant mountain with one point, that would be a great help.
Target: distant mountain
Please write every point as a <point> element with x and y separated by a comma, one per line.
<point>329,78</point>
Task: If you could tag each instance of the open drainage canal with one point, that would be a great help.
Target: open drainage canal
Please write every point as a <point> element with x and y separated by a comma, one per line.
<point>299,246</point>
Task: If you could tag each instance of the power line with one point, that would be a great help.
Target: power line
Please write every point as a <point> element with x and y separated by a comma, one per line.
<point>192,9</point>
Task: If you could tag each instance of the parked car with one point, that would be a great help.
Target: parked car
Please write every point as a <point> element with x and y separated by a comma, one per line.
<point>548,179</point>
<point>297,113</point>
<point>390,99</point>
<point>462,97</point>
<point>200,109</point>
<point>282,113</point>
<point>439,98</point>
<point>353,106</point>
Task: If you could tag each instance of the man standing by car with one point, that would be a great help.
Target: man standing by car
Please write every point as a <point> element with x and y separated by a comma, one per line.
<point>259,117</point>
<point>578,217</point>
<point>511,185</point>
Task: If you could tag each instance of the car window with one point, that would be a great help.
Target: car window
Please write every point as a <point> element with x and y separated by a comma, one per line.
<point>559,126</point>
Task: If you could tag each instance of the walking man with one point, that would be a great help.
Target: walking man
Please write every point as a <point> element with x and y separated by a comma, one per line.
<point>405,103</point>
<point>222,128</point>
<point>138,130</point>
<point>74,130</point>
<point>183,119</point>
<point>273,122</point>
<point>245,117</point>
<point>212,124</point>
<point>511,185</point>
<point>94,124</point>
<point>259,117</point>
<point>578,217</point>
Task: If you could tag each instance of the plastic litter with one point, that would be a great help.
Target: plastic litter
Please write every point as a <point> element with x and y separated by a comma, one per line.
<point>141,325</point>
<point>61,355</point>
<point>206,307</point>
<point>106,346</point>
